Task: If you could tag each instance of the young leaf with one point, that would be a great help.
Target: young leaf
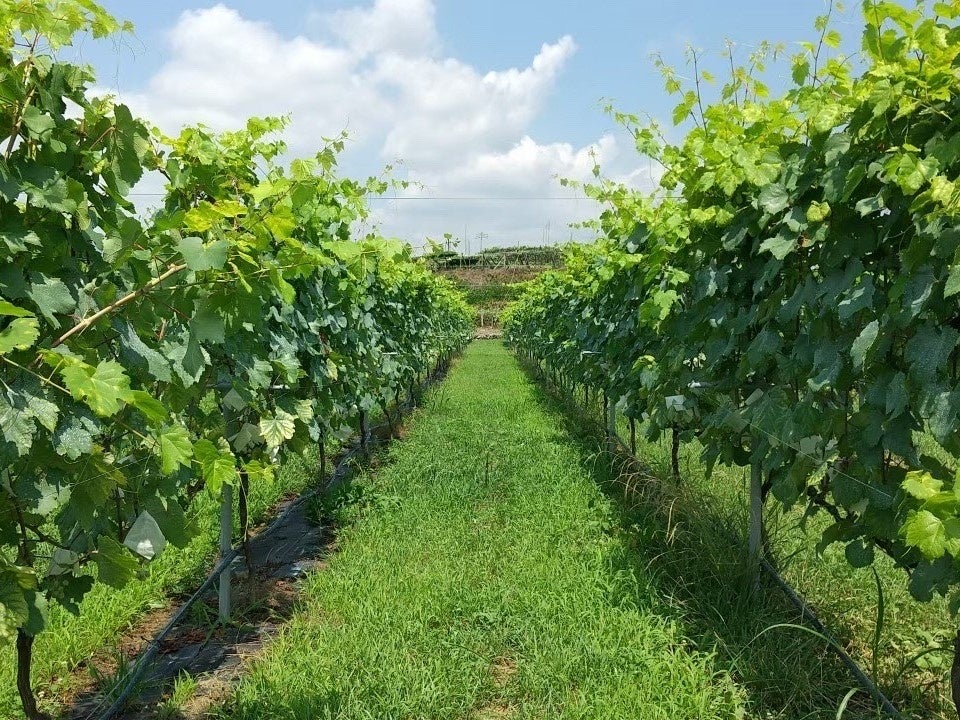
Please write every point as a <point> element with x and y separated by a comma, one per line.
<point>105,389</point>
<point>279,428</point>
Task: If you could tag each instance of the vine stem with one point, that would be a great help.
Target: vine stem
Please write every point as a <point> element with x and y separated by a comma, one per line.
<point>87,322</point>
<point>28,66</point>
<point>823,34</point>
<point>696,80</point>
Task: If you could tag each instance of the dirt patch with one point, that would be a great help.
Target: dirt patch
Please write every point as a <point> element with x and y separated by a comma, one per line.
<point>502,670</point>
<point>493,711</point>
<point>85,678</point>
<point>214,656</point>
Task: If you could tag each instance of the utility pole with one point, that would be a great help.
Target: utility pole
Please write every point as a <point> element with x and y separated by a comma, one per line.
<point>481,236</point>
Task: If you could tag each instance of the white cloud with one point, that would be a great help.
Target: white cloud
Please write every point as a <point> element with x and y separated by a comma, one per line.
<point>448,110</point>
<point>379,72</point>
<point>401,27</point>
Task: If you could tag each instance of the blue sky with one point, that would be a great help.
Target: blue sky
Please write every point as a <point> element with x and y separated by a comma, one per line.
<point>411,80</point>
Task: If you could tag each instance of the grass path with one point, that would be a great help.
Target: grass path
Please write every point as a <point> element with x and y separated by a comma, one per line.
<point>482,574</point>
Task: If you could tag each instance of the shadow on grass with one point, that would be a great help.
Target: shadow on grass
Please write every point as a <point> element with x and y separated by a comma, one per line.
<point>691,550</point>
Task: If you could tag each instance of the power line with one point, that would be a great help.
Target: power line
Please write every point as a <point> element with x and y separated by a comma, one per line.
<point>441,198</point>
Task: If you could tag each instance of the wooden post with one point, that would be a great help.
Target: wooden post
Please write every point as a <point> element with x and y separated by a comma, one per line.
<point>323,458</point>
<point>226,545</point>
<point>675,452</point>
<point>612,424</point>
<point>756,514</point>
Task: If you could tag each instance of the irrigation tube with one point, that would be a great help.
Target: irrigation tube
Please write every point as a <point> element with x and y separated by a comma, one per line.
<point>336,477</point>
<point>154,647</point>
<point>865,681</point>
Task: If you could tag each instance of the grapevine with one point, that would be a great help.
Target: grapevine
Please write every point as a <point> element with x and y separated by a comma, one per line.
<point>145,361</point>
<point>788,292</point>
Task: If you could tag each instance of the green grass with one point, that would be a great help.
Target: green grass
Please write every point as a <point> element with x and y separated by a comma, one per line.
<point>697,559</point>
<point>482,573</point>
<point>107,614</point>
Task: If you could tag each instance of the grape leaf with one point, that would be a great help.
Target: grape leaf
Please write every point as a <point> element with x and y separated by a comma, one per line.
<point>51,297</point>
<point>115,565</point>
<point>174,448</point>
<point>774,198</point>
<point>200,256</point>
<point>279,428</point>
<point>105,389</point>
<point>864,342</point>
<point>20,334</point>
<point>218,466</point>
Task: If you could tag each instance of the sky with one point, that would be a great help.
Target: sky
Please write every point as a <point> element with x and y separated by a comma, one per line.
<point>484,105</point>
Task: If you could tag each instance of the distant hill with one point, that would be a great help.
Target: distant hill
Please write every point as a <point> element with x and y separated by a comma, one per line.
<point>494,278</point>
<point>531,256</point>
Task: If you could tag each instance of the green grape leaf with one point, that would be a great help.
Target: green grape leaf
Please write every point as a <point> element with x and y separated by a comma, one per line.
<point>774,198</point>
<point>218,466</point>
<point>246,437</point>
<point>279,428</point>
<point>897,396</point>
<point>945,415</point>
<point>870,205</point>
<point>14,605</point>
<point>207,326</point>
<point>864,342</point>
<point>929,350</point>
<point>8,309</point>
<point>818,212</point>
<point>780,245</point>
<point>52,297</point>
<point>201,218</point>
<point>801,69</point>
<point>152,409</point>
<point>157,365</point>
<point>921,485</point>
<point>105,389</point>
<point>17,426</point>
<point>38,613</point>
<point>20,334</point>
<point>912,172</point>
<point>952,286</point>
<point>37,122</point>
<point>859,553</point>
<point>200,256</point>
<point>189,360</point>
<point>43,495</point>
<point>924,531</point>
<point>116,566</point>
<point>174,448</point>
<point>74,436</point>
